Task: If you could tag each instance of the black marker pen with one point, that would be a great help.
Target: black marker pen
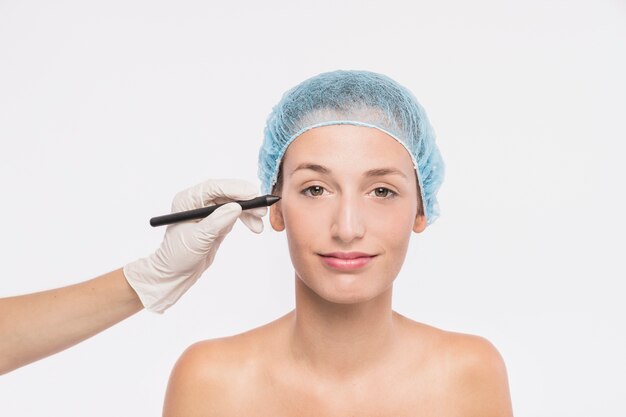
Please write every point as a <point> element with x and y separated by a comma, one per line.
<point>263,201</point>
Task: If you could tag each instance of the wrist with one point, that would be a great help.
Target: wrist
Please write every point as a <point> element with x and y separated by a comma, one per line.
<point>139,276</point>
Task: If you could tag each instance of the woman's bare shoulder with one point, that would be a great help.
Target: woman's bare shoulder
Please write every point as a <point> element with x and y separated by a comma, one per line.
<point>209,373</point>
<point>470,365</point>
<point>466,349</point>
<point>201,377</point>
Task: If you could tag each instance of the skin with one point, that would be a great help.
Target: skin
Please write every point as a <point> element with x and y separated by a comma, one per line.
<point>343,351</point>
<point>37,325</point>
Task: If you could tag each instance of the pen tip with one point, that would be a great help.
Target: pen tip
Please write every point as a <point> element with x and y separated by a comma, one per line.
<point>271,199</point>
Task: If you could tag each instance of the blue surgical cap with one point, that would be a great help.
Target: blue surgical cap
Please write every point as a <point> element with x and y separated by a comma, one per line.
<point>361,98</point>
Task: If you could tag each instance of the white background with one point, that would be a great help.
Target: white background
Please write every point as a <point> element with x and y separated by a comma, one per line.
<point>107,109</point>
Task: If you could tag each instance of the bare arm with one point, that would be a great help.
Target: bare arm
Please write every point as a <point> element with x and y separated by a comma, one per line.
<point>37,325</point>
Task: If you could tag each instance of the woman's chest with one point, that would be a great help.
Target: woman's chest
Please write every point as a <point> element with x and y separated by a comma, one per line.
<point>420,395</point>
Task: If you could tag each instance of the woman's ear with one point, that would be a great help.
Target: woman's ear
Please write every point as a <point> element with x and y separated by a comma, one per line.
<point>276,217</point>
<point>420,223</point>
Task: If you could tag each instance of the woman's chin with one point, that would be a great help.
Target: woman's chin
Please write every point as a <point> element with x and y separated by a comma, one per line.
<point>346,290</point>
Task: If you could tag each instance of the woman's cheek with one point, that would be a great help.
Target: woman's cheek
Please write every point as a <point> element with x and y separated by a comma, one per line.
<point>299,227</point>
<point>301,214</point>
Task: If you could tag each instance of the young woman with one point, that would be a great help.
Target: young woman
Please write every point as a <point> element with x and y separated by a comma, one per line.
<point>353,157</point>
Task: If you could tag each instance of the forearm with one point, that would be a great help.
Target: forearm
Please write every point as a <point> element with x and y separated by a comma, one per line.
<point>36,325</point>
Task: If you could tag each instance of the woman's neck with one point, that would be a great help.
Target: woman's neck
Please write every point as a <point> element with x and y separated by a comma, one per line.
<point>342,340</point>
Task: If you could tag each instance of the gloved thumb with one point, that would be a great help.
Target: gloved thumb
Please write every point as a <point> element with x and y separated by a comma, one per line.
<point>217,224</point>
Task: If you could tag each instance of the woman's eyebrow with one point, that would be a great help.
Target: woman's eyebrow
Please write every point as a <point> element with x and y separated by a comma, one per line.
<point>313,167</point>
<point>379,172</point>
<point>376,172</point>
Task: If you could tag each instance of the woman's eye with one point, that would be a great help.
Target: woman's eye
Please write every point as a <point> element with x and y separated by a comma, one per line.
<point>383,192</point>
<point>316,190</point>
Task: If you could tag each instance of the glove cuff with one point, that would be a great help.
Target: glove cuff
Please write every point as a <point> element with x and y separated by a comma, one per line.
<point>156,291</point>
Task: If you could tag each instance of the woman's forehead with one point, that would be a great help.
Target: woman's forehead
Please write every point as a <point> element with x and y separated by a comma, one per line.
<point>346,146</point>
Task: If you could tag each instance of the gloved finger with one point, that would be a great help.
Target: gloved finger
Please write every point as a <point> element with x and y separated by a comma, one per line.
<point>257,212</point>
<point>252,218</point>
<point>215,226</point>
<point>253,222</point>
<point>215,191</point>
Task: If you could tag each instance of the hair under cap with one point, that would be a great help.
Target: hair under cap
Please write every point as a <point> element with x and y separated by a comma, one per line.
<point>361,98</point>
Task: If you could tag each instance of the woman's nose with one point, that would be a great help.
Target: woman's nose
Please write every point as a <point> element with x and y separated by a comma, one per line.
<point>348,219</point>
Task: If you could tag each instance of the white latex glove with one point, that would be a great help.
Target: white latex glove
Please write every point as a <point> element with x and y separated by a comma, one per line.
<point>189,248</point>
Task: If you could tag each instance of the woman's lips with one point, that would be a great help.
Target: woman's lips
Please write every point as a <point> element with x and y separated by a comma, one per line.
<point>347,264</point>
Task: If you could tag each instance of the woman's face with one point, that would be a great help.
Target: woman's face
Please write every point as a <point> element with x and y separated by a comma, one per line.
<point>347,188</point>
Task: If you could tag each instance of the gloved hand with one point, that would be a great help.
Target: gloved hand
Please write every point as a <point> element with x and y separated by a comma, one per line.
<point>189,248</point>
